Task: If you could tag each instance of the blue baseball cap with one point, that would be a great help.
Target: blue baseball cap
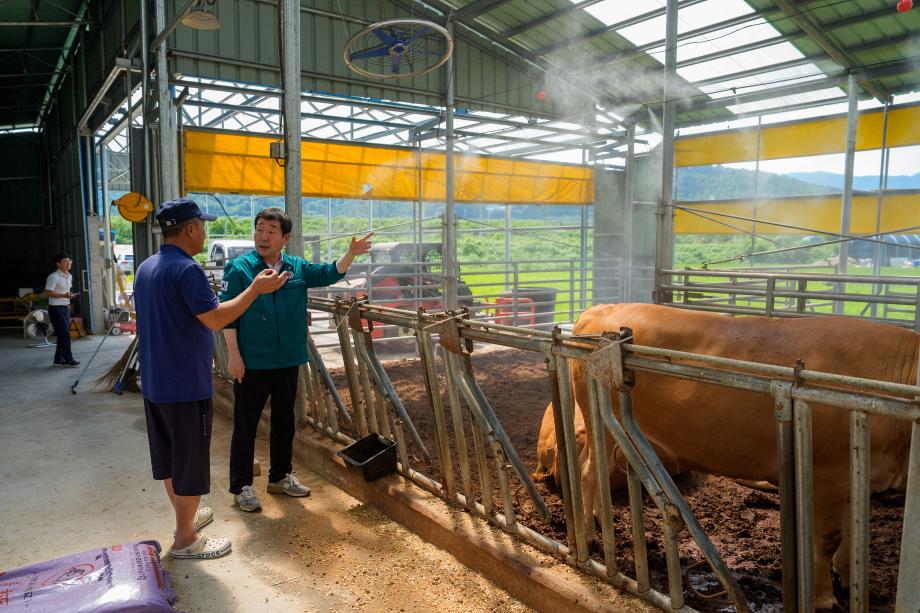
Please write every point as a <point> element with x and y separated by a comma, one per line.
<point>173,212</point>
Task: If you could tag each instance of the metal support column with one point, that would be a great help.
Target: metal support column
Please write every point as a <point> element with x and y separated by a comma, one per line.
<point>290,80</point>
<point>847,205</point>
<point>880,201</point>
<point>449,224</point>
<point>507,246</point>
<point>169,182</point>
<point>756,190</point>
<point>908,598</point>
<point>629,195</point>
<point>664,253</point>
<point>145,92</point>
<point>583,294</point>
<point>112,267</point>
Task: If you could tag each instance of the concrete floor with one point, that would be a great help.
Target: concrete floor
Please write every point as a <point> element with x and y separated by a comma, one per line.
<point>75,475</point>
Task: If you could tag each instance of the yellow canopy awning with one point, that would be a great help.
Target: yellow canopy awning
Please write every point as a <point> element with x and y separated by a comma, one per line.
<point>799,139</point>
<point>235,163</point>
<point>814,213</point>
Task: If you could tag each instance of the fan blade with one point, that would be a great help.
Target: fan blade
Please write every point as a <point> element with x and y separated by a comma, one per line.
<point>394,64</point>
<point>377,52</point>
<point>385,37</point>
<point>422,32</point>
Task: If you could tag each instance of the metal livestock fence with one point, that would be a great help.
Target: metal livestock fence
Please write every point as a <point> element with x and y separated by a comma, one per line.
<point>884,299</point>
<point>611,360</point>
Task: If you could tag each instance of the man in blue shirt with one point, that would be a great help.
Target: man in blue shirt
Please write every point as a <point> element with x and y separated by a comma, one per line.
<point>267,345</point>
<point>176,312</point>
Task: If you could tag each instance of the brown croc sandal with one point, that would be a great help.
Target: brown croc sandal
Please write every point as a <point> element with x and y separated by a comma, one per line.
<point>203,548</point>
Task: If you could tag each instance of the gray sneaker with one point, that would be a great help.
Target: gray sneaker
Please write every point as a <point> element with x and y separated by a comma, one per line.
<point>248,500</point>
<point>290,486</point>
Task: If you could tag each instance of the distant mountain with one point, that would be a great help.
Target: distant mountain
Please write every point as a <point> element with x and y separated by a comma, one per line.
<point>864,183</point>
<point>721,183</point>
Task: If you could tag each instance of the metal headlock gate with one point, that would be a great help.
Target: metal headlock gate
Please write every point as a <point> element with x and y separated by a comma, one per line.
<point>611,361</point>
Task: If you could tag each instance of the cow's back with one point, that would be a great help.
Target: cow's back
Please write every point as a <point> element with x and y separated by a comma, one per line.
<point>733,432</point>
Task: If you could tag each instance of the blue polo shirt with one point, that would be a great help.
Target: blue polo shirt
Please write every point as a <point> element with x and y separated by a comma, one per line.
<point>176,349</point>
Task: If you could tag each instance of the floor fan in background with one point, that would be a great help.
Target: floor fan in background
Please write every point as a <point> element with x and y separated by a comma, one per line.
<point>37,325</point>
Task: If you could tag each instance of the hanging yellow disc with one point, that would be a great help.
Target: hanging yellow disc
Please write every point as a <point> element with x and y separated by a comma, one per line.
<point>133,207</point>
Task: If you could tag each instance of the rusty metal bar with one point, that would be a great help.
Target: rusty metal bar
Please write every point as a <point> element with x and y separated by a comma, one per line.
<point>453,399</point>
<point>479,437</point>
<point>785,452</point>
<point>351,375</point>
<point>501,469</point>
<point>316,392</point>
<point>567,405</point>
<point>640,553</point>
<point>366,390</point>
<point>330,395</point>
<point>401,450</point>
<point>562,456</point>
<point>488,421</point>
<point>385,387</point>
<point>672,555</point>
<point>433,388</point>
<point>908,598</point>
<point>383,416</point>
<point>859,512</point>
<point>482,466</point>
<point>804,503</point>
<point>326,379</point>
<point>310,393</point>
<point>676,507</point>
<point>598,400</point>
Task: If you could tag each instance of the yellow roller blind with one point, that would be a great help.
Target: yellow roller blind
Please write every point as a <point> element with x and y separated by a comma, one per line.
<point>239,163</point>
<point>799,139</point>
<point>822,213</point>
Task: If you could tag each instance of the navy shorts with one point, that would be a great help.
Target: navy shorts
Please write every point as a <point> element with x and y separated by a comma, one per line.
<point>179,434</point>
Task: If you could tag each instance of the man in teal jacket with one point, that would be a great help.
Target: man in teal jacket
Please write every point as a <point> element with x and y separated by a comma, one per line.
<point>267,345</point>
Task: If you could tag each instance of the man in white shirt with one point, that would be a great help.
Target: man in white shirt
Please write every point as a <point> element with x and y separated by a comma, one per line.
<point>57,287</point>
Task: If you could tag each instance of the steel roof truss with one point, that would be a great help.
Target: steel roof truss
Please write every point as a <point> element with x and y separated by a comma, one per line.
<point>817,34</point>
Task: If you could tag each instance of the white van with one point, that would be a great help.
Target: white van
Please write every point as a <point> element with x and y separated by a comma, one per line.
<point>223,250</point>
<point>124,258</point>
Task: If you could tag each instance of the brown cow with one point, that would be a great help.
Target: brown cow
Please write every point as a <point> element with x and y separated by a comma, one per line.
<point>547,459</point>
<point>732,432</point>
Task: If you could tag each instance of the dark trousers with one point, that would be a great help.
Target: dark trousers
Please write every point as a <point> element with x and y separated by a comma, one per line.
<point>60,319</point>
<point>249,400</point>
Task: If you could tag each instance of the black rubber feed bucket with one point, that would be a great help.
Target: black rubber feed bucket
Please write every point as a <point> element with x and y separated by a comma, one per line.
<point>373,454</point>
<point>544,299</point>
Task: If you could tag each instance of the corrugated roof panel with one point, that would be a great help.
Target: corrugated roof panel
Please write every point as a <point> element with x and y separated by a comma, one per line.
<point>748,60</point>
<point>779,78</point>
<point>773,103</point>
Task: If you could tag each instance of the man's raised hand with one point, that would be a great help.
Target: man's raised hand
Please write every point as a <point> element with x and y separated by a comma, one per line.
<point>360,246</point>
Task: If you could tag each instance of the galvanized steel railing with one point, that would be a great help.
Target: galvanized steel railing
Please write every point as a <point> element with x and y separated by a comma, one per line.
<point>538,294</point>
<point>893,300</point>
<point>610,361</point>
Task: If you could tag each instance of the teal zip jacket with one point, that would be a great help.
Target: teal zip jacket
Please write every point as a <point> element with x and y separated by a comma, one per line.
<point>272,333</point>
